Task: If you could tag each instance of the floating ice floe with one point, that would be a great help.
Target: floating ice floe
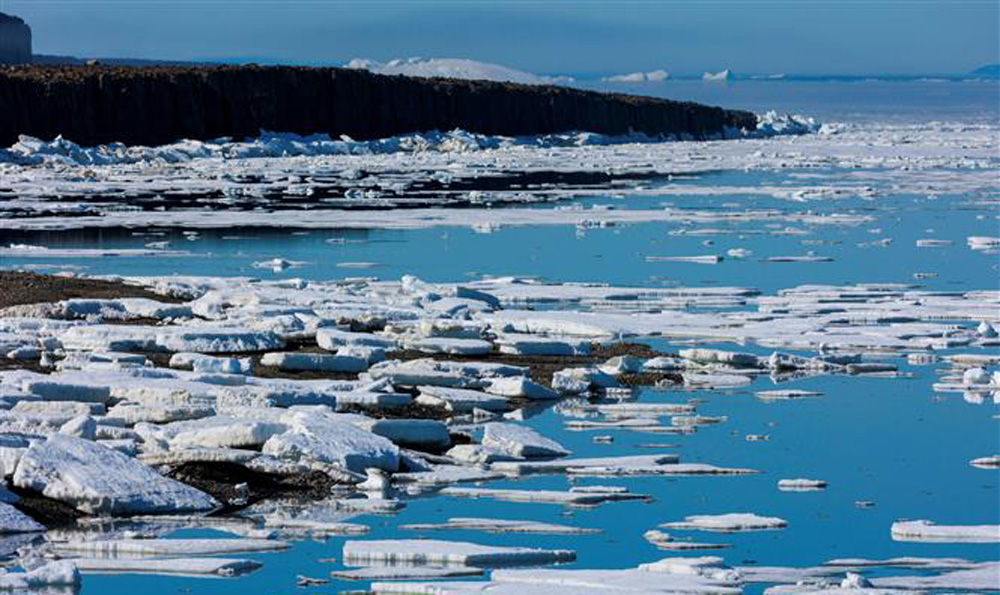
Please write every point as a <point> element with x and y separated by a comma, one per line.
<point>314,362</point>
<point>929,531</point>
<point>50,575</point>
<point>460,400</point>
<point>520,441</point>
<point>374,573</point>
<point>226,567</point>
<point>428,551</point>
<point>801,485</point>
<point>731,522</point>
<point>990,462</point>
<point>705,259</point>
<point>500,526</point>
<point>666,541</point>
<point>27,251</point>
<point>544,496</point>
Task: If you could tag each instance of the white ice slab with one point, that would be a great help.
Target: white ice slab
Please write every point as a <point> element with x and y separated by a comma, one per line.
<point>431,551</point>
<point>521,441</point>
<point>731,522</point>
<point>460,400</point>
<point>499,526</point>
<point>314,362</point>
<point>543,496</point>
<point>929,531</point>
<point>171,566</point>
<point>116,548</point>
<point>98,480</point>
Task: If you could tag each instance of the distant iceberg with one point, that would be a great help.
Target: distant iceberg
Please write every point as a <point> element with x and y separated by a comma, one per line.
<point>653,76</point>
<point>717,76</point>
<point>455,68</point>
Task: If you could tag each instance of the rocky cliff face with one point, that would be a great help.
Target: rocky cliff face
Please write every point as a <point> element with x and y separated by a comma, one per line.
<point>15,40</point>
<point>97,104</point>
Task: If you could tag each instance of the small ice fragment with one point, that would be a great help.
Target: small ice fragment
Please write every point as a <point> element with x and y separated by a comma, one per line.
<point>801,485</point>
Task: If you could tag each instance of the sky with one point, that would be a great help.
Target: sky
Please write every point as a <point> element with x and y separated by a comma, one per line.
<point>543,36</point>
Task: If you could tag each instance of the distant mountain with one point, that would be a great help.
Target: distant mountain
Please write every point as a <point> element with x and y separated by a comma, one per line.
<point>455,68</point>
<point>991,70</point>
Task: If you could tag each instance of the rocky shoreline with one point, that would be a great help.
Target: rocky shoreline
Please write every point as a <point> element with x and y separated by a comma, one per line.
<point>156,105</point>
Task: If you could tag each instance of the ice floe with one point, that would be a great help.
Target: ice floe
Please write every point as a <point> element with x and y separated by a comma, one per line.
<point>929,531</point>
<point>731,522</point>
<point>429,551</point>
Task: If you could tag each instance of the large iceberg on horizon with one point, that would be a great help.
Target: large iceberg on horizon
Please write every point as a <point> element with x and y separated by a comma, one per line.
<point>454,68</point>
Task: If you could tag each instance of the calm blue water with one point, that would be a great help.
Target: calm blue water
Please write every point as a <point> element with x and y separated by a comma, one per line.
<point>889,441</point>
<point>560,253</point>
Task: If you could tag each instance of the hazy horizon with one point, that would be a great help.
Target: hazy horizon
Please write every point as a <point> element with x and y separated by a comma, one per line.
<point>810,37</point>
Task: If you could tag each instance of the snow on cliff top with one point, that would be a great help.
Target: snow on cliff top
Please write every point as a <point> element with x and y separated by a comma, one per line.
<point>456,68</point>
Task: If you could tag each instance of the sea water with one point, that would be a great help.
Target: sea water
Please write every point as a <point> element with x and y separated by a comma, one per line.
<point>889,442</point>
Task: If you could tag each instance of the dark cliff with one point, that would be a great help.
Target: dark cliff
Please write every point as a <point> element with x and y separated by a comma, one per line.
<point>15,40</point>
<point>99,104</point>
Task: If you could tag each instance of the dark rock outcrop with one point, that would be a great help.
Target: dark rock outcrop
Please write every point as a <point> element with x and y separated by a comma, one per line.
<point>99,104</point>
<point>15,40</point>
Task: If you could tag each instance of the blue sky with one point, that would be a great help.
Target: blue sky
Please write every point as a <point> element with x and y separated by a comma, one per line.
<point>681,36</point>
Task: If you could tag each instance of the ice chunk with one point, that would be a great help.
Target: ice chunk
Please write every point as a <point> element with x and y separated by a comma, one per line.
<point>732,522</point>
<point>61,573</point>
<point>114,548</point>
<point>333,339</point>
<point>786,394</point>
<point>665,541</point>
<point>405,572</point>
<point>446,474</point>
<point>980,578</point>
<point>460,400</point>
<point>801,485</point>
<point>500,526</point>
<point>170,566</point>
<point>431,551</point>
<point>713,356</point>
<point>314,362</point>
<point>98,480</point>
<point>929,531</point>
<point>222,431</point>
<point>544,496</point>
<point>525,344</point>
<point>442,373</point>
<point>583,464</point>
<point>451,346</point>
<point>328,439</point>
<point>218,340</point>
<point>13,520</point>
<point>990,462</point>
<point>416,433</point>
<point>574,381</point>
<point>520,387</point>
<point>521,441</point>
<point>211,364</point>
<point>81,426</point>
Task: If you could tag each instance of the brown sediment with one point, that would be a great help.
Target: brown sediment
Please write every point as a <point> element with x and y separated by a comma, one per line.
<point>220,480</point>
<point>21,288</point>
<point>49,512</point>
